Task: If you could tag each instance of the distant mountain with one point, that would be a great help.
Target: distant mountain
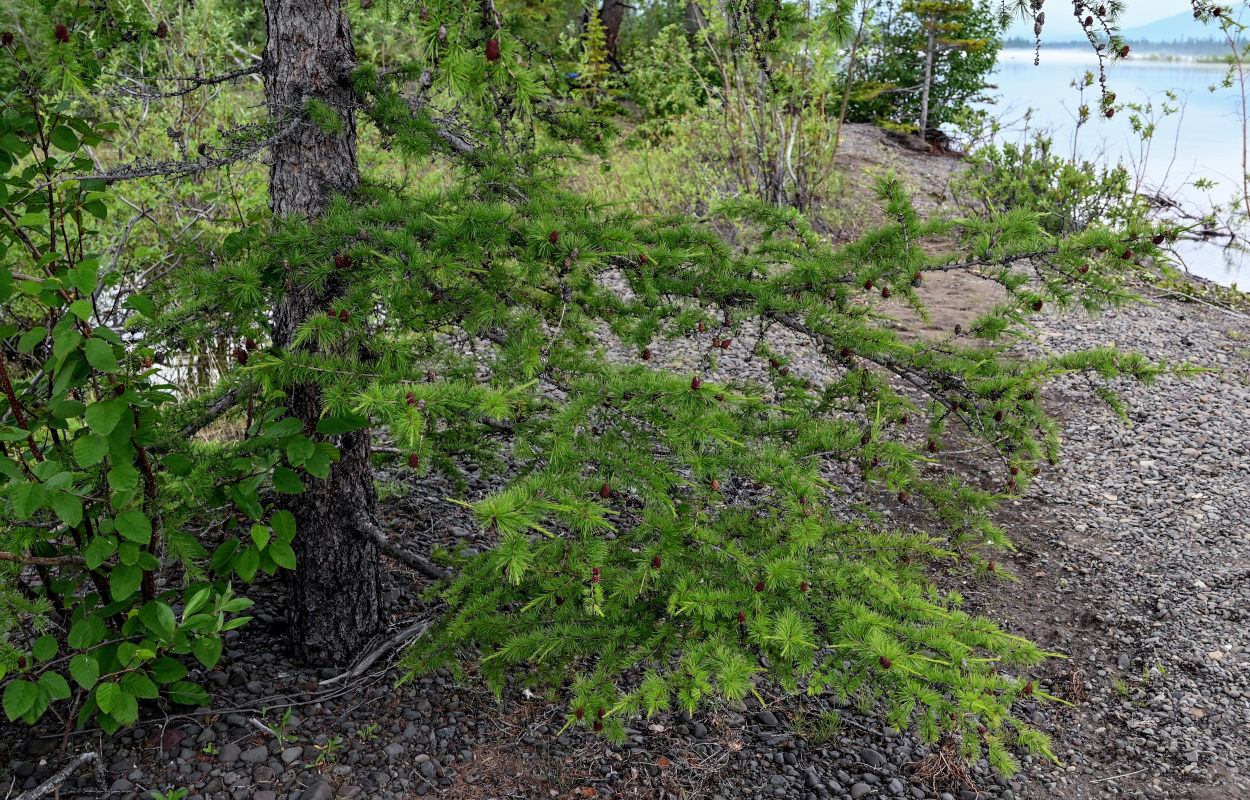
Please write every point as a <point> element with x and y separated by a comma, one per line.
<point>1179,28</point>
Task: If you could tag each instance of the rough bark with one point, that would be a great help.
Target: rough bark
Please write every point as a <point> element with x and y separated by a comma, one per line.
<point>334,598</point>
<point>611,16</point>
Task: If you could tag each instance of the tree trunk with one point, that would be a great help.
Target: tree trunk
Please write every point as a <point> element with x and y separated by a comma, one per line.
<point>611,15</point>
<point>334,598</point>
<point>930,52</point>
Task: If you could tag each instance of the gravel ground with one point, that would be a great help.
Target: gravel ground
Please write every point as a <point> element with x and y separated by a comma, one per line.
<point>1133,562</point>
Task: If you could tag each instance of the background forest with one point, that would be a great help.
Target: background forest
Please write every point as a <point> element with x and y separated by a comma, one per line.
<point>264,268</point>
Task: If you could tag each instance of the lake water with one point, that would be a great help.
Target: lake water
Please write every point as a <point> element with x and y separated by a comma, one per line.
<point>1203,140</point>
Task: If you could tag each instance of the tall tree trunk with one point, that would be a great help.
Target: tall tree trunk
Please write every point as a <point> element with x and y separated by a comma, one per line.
<point>334,598</point>
<point>930,52</point>
<point>611,16</point>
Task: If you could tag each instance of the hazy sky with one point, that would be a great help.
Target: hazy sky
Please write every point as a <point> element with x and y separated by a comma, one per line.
<point>1060,24</point>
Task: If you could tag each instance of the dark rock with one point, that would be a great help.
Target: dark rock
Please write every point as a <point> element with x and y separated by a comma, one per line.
<point>230,753</point>
<point>871,757</point>
<point>321,790</point>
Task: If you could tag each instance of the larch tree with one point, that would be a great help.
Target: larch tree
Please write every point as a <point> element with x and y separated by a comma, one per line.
<point>660,531</point>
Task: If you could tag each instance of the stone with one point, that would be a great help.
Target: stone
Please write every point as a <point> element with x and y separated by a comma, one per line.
<point>229,753</point>
<point>871,757</point>
<point>291,754</point>
<point>860,790</point>
<point>767,719</point>
<point>321,790</point>
<point>254,755</point>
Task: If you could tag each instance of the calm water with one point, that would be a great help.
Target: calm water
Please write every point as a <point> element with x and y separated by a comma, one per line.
<point>1202,140</point>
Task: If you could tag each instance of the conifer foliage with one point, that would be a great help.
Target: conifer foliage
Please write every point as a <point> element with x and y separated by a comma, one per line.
<point>665,539</point>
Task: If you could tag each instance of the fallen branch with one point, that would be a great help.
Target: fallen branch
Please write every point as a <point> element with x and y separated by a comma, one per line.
<point>411,633</point>
<point>416,562</point>
<point>56,780</point>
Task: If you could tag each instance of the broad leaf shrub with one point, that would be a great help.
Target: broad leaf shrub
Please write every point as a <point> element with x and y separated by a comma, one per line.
<point>104,581</point>
<point>1066,195</point>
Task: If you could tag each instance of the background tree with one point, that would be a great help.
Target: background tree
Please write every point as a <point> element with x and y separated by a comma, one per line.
<point>927,62</point>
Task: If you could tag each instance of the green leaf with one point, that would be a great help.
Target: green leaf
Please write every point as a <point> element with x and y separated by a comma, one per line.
<point>159,617</point>
<point>244,496</point>
<point>126,708</point>
<point>65,341</point>
<point>84,278</point>
<point>85,670</point>
<point>44,648</point>
<point>19,697</point>
<point>178,464</point>
<point>87,633</point>
<point>82,309</point>
<point>31,338</point>
<point>89,449</point>
<point>135,526</point>
<point>168,670</point>
<point>318,465</point>
<point>282,554</point>
<point>98,550</point>
<point>141,303</point>
<point>64,138</point>
<point>106,696</point>
<point>139,685</point>
<point>124,581</point>
<point>55,685</point>
<point>123,477</point>
<point>68,507</point>
<point>283,524</point>
<point>207,650</point>
<point>287,481</point>
<point>260,536</point>
<point>247,563</point>
<point>188,694</point>
<point>281,428</point>
<point>332,426</point>
<point>103,417</point>
<point>197,601</point>
<point>299,449</point>
<point>26,499</point>
<point>100,355</point>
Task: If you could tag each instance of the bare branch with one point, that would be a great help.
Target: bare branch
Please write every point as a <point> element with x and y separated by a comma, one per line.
<point>60,777</point>
<point>371,531</point>
<point>193,83</point>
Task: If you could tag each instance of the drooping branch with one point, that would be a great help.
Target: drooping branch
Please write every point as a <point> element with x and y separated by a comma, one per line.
<point>212,158</point>
<point>215,409</point>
